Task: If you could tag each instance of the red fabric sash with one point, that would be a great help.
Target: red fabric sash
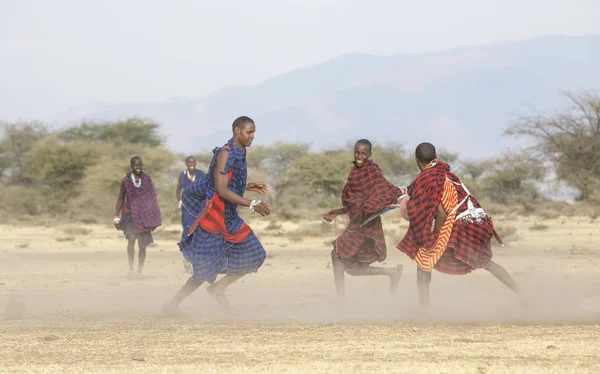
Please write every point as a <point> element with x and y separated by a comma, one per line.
<point>212,219</point>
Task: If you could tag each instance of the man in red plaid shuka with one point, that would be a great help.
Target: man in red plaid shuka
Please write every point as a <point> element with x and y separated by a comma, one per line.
<point>366,192</point>
<point>448,229</point>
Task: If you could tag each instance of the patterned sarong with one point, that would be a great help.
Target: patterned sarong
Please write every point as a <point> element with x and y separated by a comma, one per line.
<point>142,203</point>
<point>365,193</point>
<point>221,243</point>
<point>426,258</point>
<point>462,245</point>
<point>210,255</point>
<point>186,182</point>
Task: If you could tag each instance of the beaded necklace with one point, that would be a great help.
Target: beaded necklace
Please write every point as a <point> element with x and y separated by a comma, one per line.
<point>137,184</point>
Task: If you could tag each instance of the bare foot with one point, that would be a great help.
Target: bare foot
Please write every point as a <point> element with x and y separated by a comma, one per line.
<point>131,274</point>
<point>219,296</point>
<point>395,279</point>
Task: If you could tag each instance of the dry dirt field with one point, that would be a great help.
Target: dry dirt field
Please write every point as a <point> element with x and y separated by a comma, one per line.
<point>67,306</point>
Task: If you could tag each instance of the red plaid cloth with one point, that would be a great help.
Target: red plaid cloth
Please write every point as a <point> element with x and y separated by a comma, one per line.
<point>366,192</point>
<point>469,246</point>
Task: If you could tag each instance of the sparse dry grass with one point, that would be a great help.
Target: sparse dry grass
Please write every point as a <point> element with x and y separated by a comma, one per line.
<point>66,239</point>
<point>159,345</point>
<point>273,226</point>
<point>76,231</point>
<point>538,227</point>
<point>507,233</point>
<point>88,318</point>
<point>167,234</point>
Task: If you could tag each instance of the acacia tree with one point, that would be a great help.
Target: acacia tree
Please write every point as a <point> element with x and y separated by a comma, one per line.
<point>324,172</point>
<point>570,139</point>
<point>128,131</point>
<point>396,166</point>
<point>16,141</point>
<point>511,178</point>
<point>471,172</point>
<point>276,164</point>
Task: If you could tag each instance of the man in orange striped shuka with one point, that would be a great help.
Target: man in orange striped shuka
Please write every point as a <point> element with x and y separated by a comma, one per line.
<point>448,231</point>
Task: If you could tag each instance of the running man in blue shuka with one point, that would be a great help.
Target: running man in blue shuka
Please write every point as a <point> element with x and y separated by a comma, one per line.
<point>218,240</point>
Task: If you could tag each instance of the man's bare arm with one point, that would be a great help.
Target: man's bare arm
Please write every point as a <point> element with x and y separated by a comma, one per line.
<point>120,202</point>
<point>440,218</point>
<point>179,187</point>
<point>222,182</point>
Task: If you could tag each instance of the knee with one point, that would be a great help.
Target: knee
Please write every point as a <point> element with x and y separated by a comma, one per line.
<point>143,250</point>
<point>423,277</point>
<point>192,282</point>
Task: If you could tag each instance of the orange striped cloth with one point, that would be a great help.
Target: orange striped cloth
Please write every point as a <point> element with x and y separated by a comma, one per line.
<point>427,257</point>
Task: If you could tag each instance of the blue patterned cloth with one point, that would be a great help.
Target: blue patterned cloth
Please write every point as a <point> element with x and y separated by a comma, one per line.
<point>194,199</point>
<point>210,254</point>
<point>186,218</point>
<point>185,181</point>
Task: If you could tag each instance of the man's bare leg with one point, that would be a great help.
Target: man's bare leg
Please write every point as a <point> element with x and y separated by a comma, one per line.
<point>171,307</point>
<point>141,259</point>
<point>131,254</point>
<point>502,275</point>
<point>187,266</point>
<point>423,280</point>
<point>217,290</point>
<point>338,274</point>
<point>361,269</point>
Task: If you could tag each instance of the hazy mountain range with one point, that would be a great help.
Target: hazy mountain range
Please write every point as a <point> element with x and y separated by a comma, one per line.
<point>461,99</point>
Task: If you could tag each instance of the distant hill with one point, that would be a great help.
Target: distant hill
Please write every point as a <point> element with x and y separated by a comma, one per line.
<point>461,99</point>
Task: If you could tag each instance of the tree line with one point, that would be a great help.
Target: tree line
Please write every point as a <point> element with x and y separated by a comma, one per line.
<point>75,172</point>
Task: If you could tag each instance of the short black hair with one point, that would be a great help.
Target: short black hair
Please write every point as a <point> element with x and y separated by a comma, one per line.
<point>190,158</point>
<point>134,159</point>
<point>364,142</point>
<point>425,152</point>
<point>241,122</point>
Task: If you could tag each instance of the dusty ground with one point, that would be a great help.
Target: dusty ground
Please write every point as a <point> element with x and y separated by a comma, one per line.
<point>66,305</point>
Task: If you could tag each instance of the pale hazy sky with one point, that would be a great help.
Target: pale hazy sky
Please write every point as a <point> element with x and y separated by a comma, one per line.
<point>58,54</point>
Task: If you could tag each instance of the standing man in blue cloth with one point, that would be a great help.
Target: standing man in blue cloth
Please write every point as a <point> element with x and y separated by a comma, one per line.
<point>186,178</point>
